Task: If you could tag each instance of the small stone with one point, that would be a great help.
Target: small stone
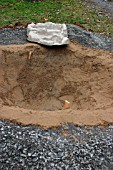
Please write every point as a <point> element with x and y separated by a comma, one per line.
<point>29,154</point>
<point>66,104</point>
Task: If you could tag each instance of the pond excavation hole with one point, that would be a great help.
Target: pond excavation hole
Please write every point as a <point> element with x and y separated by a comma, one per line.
<point>39,79</point>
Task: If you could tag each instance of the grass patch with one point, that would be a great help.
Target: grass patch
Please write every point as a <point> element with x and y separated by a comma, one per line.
<point>65,11</point>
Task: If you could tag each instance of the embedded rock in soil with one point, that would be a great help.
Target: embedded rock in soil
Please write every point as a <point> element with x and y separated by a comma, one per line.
<point>35,81</point>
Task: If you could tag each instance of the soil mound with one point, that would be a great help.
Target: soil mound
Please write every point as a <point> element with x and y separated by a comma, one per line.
<point>36,80</point>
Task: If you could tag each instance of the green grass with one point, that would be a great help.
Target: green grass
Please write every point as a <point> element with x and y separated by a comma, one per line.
<point>59,11</point>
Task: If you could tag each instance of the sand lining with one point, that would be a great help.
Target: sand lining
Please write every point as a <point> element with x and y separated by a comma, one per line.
<point>52,119</point>
<point>33,90</point>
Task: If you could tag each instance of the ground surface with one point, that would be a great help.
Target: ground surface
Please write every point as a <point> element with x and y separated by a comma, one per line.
<point>15,12</point>
<point>103,6</point>
<point>69,147</point>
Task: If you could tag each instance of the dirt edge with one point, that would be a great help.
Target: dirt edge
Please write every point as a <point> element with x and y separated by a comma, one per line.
<point>52,119</point>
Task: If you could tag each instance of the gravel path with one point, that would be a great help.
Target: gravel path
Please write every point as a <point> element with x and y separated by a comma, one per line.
<point>67,148</point>
<point>103,6</point>
<point>86,38</point>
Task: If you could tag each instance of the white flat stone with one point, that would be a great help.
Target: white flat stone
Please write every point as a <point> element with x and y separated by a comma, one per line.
<point>48,33</point>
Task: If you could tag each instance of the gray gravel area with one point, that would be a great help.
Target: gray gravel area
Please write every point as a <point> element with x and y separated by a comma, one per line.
<point>13,36</point>
<point>103,7</point>
<point>103,4</point>
<point>89,39</point>
<point>32,148</point>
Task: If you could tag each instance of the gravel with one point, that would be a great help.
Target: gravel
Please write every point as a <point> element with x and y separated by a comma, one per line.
<point>13,36</point>
<point>89,39</point>
<point>105,4</point>
<point>69,147</point>
<point>102,7</point>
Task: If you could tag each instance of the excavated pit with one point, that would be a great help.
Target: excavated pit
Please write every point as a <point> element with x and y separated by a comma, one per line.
<point>35,81</point>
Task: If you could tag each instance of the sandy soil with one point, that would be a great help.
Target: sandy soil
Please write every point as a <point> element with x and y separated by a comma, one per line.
<point>36,80</point>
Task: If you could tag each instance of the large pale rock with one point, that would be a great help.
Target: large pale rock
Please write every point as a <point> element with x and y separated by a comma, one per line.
<point>48,33</point>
